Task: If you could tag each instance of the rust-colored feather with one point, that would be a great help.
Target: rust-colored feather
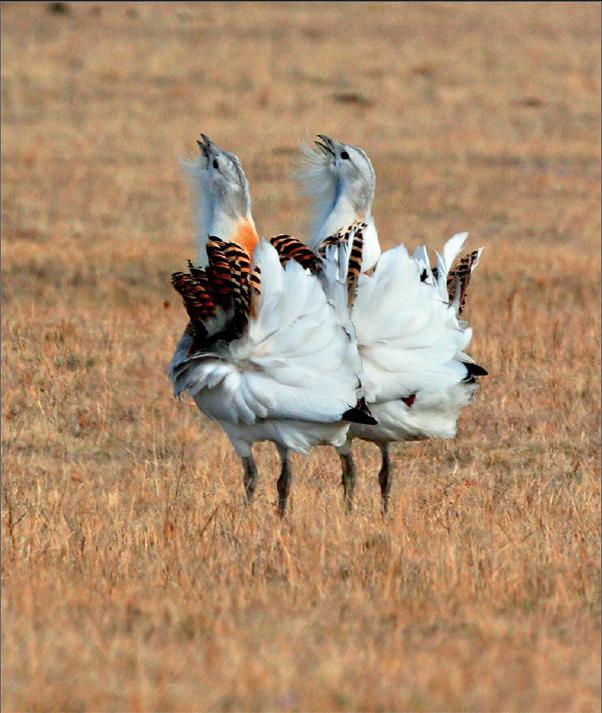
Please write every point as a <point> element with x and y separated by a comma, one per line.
<point>289,248</point>
<point>254,291</point>
<point>237,258</point>
<point>226,282</point>
<point>198,300</point>
<point>218,272</point>
<point>240,268</point>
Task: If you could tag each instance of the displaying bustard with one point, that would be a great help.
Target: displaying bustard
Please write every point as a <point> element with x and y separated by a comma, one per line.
<point>265,353</point>
<point>411,340</point>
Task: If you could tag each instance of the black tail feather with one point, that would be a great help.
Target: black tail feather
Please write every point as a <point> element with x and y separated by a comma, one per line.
<point>472,371</point>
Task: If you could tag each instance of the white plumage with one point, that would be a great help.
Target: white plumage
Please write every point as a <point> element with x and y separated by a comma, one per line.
<point>415,372</point>
<point>293,362</point>
<point>412,345</point>
<point>342,192</point>
<point>407,334</point>
<point>289,374</point>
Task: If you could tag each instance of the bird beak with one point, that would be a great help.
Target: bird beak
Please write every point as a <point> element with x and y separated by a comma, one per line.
<point>205,145</point>
<point>209,147</point>
<point>326,145</point>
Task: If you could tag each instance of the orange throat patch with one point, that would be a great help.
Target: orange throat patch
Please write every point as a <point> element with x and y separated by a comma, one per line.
<point>246,236</point>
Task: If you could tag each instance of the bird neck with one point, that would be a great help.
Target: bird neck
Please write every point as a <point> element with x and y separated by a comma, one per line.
<point>342,214</point>
<point>239,229</point>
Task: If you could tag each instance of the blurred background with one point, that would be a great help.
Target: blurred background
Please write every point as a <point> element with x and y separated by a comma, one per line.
<point>127,560</point>
<point>477,116</point>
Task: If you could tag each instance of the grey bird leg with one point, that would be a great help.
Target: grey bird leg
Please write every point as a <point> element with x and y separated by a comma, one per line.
<point>384,476</point>
<point>284,481</point>
<point>348,473</point>
<point>249,477</point>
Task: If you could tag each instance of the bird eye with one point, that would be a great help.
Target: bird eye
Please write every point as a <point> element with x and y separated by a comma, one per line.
<point>215,163</point>
<point>344,154</point>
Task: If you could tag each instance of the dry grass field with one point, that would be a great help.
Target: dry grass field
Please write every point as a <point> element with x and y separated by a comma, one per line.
<point>133,577</point>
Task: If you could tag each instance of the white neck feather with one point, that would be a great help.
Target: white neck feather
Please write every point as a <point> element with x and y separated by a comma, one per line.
<point>219,216</point>
<point>213,219</point>
<point>341,215</point>
<point>206,210</point>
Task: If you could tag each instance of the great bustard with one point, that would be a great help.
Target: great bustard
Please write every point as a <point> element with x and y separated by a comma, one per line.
<point>265,353</point>
<point>416,374</point>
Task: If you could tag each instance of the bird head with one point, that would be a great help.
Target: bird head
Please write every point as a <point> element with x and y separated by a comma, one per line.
<point>223,178</point>
<point>344,170</point>
<point>222,197</point>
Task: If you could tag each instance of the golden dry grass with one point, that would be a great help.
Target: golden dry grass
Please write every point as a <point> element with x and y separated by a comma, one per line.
<point>133,579</point>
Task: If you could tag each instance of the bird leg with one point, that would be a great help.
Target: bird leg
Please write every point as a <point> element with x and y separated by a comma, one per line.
<point>249,477</point>
<point>284,481</point>
<point>384,476</point>
<point>348,478</point>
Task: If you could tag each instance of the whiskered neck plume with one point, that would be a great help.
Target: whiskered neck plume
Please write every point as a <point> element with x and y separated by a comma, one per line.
<point>341,190</point>
<point>318,181</point>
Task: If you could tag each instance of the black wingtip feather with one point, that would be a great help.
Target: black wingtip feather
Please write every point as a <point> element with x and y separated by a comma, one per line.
<point>473,370</point>
<point>360,414</point>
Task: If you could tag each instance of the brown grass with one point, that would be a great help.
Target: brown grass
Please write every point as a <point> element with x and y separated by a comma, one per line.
<point>133,579</point>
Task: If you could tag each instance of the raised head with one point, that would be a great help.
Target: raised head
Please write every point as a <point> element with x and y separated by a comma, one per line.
<point>342,181</point>
<point>222,196</point>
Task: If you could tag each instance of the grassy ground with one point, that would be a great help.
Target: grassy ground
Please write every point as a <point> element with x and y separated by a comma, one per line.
<point>133,578</point>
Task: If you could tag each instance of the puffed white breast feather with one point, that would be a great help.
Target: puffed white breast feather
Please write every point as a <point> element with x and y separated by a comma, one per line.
<point>291,363</point>
<point>407,334</point>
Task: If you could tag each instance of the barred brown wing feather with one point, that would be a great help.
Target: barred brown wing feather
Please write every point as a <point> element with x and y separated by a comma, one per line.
<point>354,267</point>
<point>218,272</point>
<point>354,264</point>
<point>228,283</point>
<point>289,248</point>
<point>198,301</point>
<point>254,291</point>
<point>459,278</point>
<point>238,259</point>
<point>240,267</point>
<point>327,242</point>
